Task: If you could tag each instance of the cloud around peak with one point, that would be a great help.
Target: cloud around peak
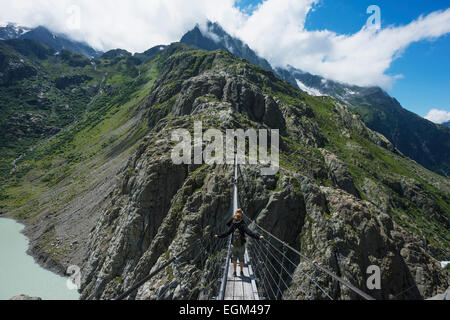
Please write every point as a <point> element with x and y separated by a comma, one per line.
<point>275,29</point>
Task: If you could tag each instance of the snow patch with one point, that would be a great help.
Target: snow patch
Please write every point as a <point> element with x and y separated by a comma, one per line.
<point>350,91</point>
<point>25,31</point>
<point>444,263</point>
<point>308,90</point>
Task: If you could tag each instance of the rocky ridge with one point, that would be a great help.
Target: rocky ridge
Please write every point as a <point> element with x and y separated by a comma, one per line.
<point>319,202</point>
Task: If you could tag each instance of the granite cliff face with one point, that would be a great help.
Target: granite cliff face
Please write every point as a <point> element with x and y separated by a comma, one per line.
<point>344,196</point>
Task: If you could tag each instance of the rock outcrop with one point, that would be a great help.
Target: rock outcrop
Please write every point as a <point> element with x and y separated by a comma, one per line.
<point>339,173</point>
<point>67,81</point>
<point>15,71</point>
<point>156,208</point>
<point>351,235</point>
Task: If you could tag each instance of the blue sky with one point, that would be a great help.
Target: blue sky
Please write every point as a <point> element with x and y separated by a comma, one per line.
<point>424,65</point>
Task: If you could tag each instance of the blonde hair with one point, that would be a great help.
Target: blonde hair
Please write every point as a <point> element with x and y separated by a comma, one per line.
<point>238,215</point>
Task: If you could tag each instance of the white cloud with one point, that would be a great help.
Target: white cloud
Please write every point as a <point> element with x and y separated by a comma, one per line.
<point>438,116</point>
<point>275,29</point>
<point>361,58</point>
<point>135,25</point>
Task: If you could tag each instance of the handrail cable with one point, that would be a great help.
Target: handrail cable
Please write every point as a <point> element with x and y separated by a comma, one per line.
<point>323,269</point>
<point>301,271</point>
<point>288,273</point>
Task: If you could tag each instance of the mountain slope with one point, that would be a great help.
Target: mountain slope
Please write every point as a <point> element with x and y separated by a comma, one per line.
<point>41,34</point>
<point>414,136</point>
<point>40,93</point>
<point>12,31</point>
<point>43,96</point>
<point>106,195</point>
<point>56,184</point>
<point>417,138</point>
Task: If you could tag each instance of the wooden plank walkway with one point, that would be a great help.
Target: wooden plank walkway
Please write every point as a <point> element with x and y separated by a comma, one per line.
<point>243,286</point>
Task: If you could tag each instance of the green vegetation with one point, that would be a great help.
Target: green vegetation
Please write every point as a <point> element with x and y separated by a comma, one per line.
<point>93,120</point>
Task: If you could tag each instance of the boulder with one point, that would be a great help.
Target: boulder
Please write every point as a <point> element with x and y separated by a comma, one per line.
<point>339,173</point>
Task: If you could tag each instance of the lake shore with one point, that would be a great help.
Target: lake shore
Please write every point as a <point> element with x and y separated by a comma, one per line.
<point>22,274</point>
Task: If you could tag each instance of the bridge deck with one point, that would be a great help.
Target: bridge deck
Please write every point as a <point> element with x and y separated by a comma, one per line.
<point>243,286</point>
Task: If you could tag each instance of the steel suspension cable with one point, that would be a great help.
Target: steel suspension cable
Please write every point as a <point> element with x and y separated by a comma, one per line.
<point>296,266</point>
<point>323,269</point>
<point>260,275</point>
<point>292,278</point>
<point>265,275</point>
<point>262,254</point>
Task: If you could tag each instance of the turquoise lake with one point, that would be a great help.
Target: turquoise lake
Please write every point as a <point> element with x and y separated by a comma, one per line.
<point>20,274</point>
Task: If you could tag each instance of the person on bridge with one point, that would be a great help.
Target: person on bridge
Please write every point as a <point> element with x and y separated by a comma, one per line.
<point>238,228</point>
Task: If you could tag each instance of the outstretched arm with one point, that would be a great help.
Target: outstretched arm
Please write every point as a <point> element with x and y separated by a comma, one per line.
<point>227,233</point>
<point>250,232</point>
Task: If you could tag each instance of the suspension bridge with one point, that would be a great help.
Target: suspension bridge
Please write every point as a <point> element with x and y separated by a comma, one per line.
<point>273,269</point>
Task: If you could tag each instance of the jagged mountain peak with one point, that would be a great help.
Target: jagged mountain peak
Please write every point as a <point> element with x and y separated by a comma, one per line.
<point>11,30</point>
<point>57,41</point>
<point>212,36</point>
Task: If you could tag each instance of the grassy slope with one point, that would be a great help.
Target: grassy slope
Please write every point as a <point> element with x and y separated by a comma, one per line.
<point>38,95</point>
<point>108,127</point>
